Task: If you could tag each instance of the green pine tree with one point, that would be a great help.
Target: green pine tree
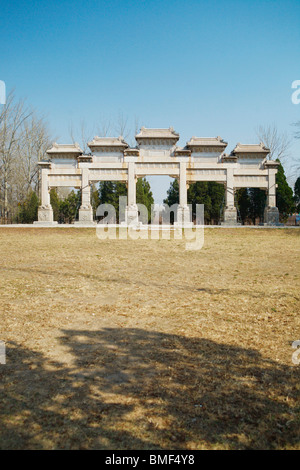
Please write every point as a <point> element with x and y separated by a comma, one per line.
<point>243,203</point>
<point>285,197</point>
<point>68,207</point>
<point>28,210</point>
<point>297,194</point>
<point>210,193</point>
<point>95,199</point>
<point>109,193</point>
<point>217,196</point>
<point>54,201</point>
<point>172,193</point>
<point>198,193</point>
<point>144,195</point>
<point>258,199</point>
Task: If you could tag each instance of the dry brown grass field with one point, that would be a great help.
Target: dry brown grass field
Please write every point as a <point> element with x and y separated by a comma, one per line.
<point>115,344</point>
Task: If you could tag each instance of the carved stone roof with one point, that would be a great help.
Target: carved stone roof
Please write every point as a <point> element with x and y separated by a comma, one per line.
<point>251,148</point>
<point>271,164</point>
<point>147,133</point>
<point>63,149</point>
<point>108,142</point>
<point>207,142</point>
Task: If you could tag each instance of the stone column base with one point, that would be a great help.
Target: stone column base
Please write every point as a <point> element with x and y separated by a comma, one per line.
<point>45,216</point>
<point>271,216</point>
<point>230,216</point>
<point>183,217</point>
<point>131,215</point>
<point>85,216</point>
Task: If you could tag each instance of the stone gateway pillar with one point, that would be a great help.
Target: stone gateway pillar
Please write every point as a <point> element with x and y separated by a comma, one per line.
<point>230,212</point>
<point>131,212</point>
<point>271,214</point>
<point>86,210</point>
<point>45,211</point>
<point>183,213</point>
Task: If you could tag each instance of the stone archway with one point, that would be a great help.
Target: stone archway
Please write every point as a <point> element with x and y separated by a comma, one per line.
<point>156,153</point>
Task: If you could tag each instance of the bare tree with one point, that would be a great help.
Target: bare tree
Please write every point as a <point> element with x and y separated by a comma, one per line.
<point>104,127</point>
<point>278,143</point>
<point>121,126</point>
<point>83,135</point>
<point>297,132</point>
<point>31,148</point>
<point>296,165</point>
<point>12,118</point>
<point>137,127</point>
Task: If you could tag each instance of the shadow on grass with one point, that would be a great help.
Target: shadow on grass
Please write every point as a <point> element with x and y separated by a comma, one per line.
<point>129,388</point>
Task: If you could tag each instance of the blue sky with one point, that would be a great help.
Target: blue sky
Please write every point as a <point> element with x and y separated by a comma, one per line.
<point>207,68</point>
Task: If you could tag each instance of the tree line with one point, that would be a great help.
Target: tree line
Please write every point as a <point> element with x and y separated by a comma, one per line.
<point>250,202</point>
<point>24,139</point>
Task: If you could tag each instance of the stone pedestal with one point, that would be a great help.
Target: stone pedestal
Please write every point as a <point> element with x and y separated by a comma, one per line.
<point>183,216</point>
<point>85,215</point>
<point>131,215</point>
<point>271,216</point>
<point>45,215</point>
<point>230,216</point>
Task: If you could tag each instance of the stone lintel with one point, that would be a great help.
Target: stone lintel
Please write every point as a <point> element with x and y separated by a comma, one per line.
<point>184,152</point>
<point>85,158</point>
<point>229,158</point>
<point>43,164</point>
<point>131,152</point>
<point>271,164</point>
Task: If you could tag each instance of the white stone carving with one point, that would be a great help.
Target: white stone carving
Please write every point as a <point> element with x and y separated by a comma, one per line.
<point>202,159</point>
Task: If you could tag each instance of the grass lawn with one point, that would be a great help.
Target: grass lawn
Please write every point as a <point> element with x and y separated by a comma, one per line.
<point>115,344</point>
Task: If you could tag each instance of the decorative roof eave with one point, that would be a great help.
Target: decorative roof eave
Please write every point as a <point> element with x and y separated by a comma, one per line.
<point>201,143</point>
<point>108,142</point>
<point>65,150</point>
<point>157,134</point>
<point>256,150</point>
<point>209,148</point>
